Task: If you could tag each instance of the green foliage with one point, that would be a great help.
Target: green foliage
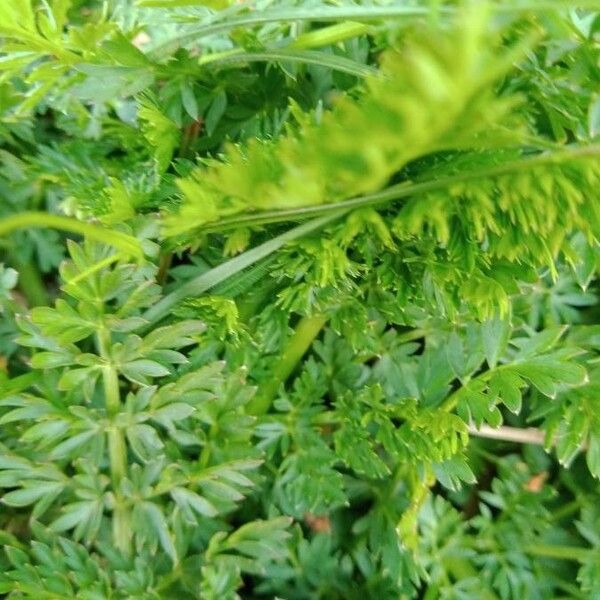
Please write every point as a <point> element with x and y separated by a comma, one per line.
<point>456,74</point>
<point>396,397</point>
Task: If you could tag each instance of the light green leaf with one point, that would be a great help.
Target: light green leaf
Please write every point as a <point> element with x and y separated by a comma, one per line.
<point>157,524</point>
<point>34,491</point>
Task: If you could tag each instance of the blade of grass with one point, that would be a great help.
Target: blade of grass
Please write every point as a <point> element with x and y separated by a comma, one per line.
<point>228,269</point>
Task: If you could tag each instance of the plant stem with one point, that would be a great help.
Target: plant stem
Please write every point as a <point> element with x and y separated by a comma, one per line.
<point>251,18</point>
<point>226,21</point>
<point>306,331</point>
<point>509,434</point>
<point>308,57</point>
<point>529,435</point>
<point>332,34</point>
<point>566,510</point>
<point>42,220</point>
<point>560,552</point>
<point>117,448</point>
<point>404,189</point>
<point>461,568</point>
<point>112,396</point>
<point>573,592</point>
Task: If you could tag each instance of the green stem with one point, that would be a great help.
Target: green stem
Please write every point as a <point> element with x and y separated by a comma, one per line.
<point>205,454</point>
<point>117,451</point>
<point>117,448</point>
<point>403,190</point>
<point>566,510</point>
<point>110,377</point>
<point>309,57</point>
<point>101,264</point>
<point>306,331</point>
<point>258,17</point>
<point>559,552</point>
<point>572,591</point>
<point>169,579</point>
<point>124,242</point>
<point>251,304</point>
<point>332,34</point>
<point>461,568</point>
<point>30,282</point>
<point>225,21</point>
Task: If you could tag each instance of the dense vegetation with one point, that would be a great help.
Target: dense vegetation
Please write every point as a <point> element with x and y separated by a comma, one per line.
<point>299,299</point>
